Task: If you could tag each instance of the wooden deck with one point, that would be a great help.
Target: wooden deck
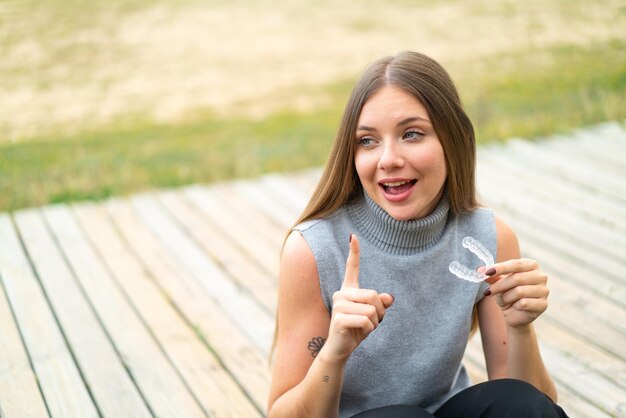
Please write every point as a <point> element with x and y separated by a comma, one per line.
<point>162,304</point>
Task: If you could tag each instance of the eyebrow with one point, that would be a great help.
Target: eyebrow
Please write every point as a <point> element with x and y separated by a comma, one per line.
<point>401,123</point>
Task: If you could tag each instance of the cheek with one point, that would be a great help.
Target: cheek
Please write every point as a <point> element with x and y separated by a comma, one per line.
<point>432,160</point>
<point>439,165</point>
<point>365,166</point>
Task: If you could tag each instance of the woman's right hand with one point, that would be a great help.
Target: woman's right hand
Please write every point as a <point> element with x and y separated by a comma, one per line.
<point>356,312</point>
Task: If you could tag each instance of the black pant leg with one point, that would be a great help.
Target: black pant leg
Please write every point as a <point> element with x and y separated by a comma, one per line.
<point>501,398</point>
<point>395,411</point>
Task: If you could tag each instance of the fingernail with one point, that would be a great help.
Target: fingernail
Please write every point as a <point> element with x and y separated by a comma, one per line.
<point>350,238</point>
<point>393,299</point>
<point>490,272</point>
<point>487,292</point>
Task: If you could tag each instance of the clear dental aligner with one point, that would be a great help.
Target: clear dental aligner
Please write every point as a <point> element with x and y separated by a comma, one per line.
<point>463,272</point>
<point>478,249</point>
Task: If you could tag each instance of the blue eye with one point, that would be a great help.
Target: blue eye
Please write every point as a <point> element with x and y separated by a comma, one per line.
<point>413,134</point>
<point>365,141</point>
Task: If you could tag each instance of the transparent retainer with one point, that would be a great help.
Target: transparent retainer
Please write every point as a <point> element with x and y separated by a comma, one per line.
<point>479,250</point>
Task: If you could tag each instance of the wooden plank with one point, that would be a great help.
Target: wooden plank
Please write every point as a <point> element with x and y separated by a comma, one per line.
<point>571,249</point>
<point>549,158</point>
<point>272,208</point>
<point>584,354</point>
<point>590,277</point>
<point>60,380</point>
<point>219,245</point>
<point>19,391</point>
<point>603,241</point>
<point>578,288</point>
<point>235,221</point>
<point>241,308</point>
<point>566,306</point>
<point>476,373</point>
<point>255,220</point>
<point>236,351</point>
<point>306,180</point>
<point>257,246</point>
<point>110,385</point>
<point>582,358</point>
<point>570,401</point>
<point>585,204</point>
<point>611,135</point>
<point>555,165</point>
<point>577,407</point>
<point>587,384</point>
<point>212,386</point>
<point>578,283</point>
<point>312,178</point>
<point>552,188</point>
<point>160,385</point>
<point>295,197</point>
<point>575,148</point>
<point>615,130</point>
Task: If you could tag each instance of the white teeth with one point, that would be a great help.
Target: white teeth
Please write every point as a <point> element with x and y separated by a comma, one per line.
<point>396,184</point>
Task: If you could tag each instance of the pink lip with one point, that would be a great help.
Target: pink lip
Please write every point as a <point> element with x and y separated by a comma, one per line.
<point>394,198</point>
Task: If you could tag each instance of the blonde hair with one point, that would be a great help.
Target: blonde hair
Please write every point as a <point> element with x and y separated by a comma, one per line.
<point>427,81</point>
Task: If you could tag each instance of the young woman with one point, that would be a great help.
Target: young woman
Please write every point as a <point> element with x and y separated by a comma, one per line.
<point>371,320</point>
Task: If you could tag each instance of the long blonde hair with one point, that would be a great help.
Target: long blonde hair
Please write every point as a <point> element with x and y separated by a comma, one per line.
<point>427,81</point>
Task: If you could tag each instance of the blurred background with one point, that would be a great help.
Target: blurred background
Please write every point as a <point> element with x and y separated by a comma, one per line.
<point>102,98</point>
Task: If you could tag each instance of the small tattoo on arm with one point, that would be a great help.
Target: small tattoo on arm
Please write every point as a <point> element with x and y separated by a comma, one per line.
<point>315,345</point>
<point>326,379</point>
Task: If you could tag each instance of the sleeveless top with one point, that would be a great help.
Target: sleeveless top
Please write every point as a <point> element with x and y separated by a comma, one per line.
<point>414,356</point>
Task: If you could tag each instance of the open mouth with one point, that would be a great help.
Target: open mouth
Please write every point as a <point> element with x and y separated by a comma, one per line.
<point>397,187</point>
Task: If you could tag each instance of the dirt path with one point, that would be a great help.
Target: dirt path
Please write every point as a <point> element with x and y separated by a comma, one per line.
<point>63,71</point>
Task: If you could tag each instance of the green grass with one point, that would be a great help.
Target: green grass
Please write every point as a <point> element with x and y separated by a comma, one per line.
<point>133,158</point>
<point>528,94</point>
<point>545,92</point>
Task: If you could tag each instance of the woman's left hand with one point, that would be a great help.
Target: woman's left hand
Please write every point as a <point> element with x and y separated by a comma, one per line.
<point>519,288</point>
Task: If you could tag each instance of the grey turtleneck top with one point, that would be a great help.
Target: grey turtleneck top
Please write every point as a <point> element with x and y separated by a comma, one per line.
<point>414,356</point>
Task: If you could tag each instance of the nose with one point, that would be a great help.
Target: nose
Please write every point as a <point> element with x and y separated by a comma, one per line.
<point>391,156</point>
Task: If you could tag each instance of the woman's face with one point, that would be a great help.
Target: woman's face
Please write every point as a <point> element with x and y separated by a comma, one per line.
<point>398,156</point>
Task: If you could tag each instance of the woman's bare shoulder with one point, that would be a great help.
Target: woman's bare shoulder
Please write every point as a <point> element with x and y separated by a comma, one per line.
<point>508,245</point>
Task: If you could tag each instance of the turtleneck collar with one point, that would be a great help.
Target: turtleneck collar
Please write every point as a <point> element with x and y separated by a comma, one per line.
<point>398,237</point>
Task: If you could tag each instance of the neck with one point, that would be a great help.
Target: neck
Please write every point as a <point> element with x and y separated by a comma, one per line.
<point>399,237</point>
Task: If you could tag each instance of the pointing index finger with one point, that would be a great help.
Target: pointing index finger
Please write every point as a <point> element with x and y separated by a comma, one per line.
<point>351,279</point>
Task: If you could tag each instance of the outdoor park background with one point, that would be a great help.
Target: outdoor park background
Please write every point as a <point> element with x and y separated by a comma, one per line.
<point>102,98</point>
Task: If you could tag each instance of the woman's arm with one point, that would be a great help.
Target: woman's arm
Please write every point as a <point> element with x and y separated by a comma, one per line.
<point>298,388</point>
<point>518,296</point>
<point>307,381</point>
